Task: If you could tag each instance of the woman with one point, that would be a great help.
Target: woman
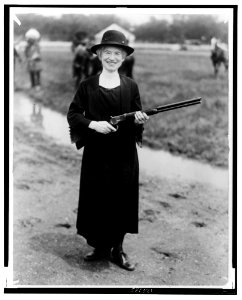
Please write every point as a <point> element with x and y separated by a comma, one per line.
<point>108,198</point>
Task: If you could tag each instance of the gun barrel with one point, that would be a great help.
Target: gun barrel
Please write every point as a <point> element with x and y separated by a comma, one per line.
<point>156,110</point>
<point>175,105</point>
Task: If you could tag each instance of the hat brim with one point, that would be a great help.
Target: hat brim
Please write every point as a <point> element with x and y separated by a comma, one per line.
<point>128,49</point>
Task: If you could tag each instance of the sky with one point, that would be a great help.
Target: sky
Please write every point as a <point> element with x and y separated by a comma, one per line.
<point>135,16</point>
<point>133,19</point>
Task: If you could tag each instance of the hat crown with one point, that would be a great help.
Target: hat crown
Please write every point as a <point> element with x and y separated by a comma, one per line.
<point>114,36</point>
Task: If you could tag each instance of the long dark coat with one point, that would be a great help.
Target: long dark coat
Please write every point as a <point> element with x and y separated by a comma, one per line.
<point>109,187</point>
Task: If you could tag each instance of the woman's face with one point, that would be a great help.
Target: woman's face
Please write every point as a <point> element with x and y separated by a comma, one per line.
<point>111,58</point>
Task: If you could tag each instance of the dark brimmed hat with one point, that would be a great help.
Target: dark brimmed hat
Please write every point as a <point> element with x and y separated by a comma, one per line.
<point>113,38</point>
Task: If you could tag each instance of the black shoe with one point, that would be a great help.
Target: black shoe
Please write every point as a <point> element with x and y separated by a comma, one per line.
<point>97,254</point>
<point>121,259</point>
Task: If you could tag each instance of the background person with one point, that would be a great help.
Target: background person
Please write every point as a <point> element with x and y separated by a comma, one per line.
<point>33,56</point>
<point>16,56</point>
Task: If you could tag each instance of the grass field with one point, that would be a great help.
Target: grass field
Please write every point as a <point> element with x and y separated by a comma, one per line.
<point>199,132</point>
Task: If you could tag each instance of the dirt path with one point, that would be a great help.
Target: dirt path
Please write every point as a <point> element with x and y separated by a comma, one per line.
<point>183,237</point>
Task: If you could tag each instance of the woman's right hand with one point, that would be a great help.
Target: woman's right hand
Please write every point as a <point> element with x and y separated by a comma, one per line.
<point>102,127</point>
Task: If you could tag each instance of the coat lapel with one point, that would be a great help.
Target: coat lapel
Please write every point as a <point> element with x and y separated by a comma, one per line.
<point>94,84</point>
<point>125,95</point>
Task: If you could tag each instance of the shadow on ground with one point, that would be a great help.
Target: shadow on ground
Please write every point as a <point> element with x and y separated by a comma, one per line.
<point>68,247</point>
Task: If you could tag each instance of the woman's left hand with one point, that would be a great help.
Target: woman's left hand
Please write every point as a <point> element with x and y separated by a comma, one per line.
<point>140,117</point>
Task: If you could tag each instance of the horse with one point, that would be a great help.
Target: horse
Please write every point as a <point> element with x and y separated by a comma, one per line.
<point>127,66</point>
<point>94,65</point>
<point>218,57</point>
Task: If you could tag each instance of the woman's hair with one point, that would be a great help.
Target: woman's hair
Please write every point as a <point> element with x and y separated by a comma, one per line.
<point>102,48</point>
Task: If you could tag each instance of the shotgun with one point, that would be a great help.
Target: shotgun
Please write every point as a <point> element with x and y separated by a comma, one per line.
<point>152,111</point>
<point>81,140</point>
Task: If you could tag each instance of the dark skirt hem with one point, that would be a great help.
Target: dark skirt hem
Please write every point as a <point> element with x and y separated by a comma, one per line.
<point>103,240</point>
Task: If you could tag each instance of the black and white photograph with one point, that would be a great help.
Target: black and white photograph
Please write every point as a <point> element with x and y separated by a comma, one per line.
<point>121,148</point>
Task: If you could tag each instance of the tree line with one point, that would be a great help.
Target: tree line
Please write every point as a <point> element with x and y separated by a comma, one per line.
<point>180,29</point>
